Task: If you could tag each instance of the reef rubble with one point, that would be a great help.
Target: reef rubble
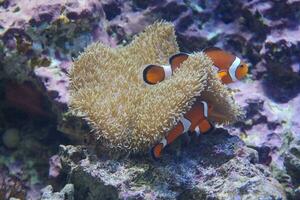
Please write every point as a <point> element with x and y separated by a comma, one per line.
<point>67,193</point>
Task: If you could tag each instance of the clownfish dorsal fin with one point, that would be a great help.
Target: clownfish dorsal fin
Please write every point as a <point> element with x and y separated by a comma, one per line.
<point>152,74</point>
<point>221,59</point>
<point>208,49</point>
<point>177,59</point>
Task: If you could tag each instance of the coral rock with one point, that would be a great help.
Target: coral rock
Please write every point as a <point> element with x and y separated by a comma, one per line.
<point>216,166</point>
<point>67,193</point>
<point>292,162</point>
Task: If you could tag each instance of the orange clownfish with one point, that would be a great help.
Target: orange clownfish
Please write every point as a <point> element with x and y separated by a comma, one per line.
<point>230,67</point>
<point>194,121</point>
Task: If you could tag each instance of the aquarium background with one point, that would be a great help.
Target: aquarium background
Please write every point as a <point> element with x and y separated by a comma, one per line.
<point>45,151</point>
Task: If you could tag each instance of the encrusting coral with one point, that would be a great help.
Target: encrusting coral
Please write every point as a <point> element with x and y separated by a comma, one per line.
<point>107,89</point>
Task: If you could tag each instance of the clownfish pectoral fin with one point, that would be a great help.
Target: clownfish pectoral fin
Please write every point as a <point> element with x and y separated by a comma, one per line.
<point>224,77</point>
<point>177,59</point>
<point>153,74</point>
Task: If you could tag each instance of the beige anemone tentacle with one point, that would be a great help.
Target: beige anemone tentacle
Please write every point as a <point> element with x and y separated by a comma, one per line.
<point>107,89</point>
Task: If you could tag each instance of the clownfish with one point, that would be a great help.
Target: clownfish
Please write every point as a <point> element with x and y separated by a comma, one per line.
<point>194,121</point>
<point>230,67</point>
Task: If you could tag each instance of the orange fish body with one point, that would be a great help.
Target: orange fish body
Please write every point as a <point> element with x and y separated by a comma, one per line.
<point>230,67</point>
<point>194,120</point>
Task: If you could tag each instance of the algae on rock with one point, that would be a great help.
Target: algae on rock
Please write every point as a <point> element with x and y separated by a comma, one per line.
<point>215,166</point>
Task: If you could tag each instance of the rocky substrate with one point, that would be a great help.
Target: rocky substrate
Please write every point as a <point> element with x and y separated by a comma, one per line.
<point>215,166</point>
<point>67,193</point>
<point>39,38</point>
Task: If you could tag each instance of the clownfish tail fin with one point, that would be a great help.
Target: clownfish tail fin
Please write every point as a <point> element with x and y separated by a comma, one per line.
<point>156,151</point>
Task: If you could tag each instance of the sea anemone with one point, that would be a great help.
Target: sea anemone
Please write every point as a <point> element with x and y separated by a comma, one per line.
<point>125,114</point>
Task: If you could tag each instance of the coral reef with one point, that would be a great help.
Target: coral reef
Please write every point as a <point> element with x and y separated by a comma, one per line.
<point>24,157</point>
<point>272,125</point>
<point>11,186</point>
<point>216,166</point>
<point>108,91</point>
<point>37,41</point>
<point>67,193</point>
<point>39,38</point>
<point>292,162</point>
